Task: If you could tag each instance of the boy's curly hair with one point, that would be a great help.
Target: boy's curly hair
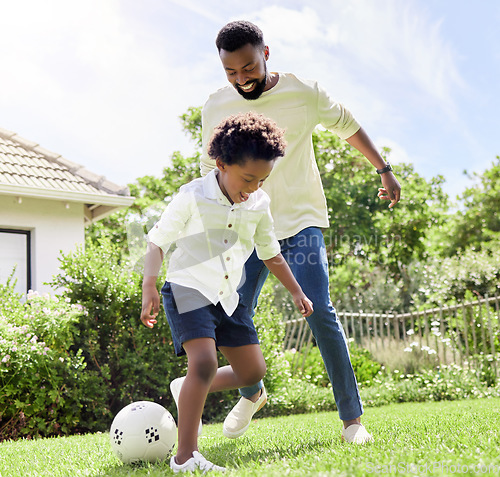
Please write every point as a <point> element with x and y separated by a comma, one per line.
<point>246,136</point>
<point>237,34</point>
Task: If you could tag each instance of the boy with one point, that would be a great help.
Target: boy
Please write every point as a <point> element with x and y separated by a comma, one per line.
<point>216,222</point>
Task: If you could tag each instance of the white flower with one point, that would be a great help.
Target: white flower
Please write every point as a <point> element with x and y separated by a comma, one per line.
<point>5,358</point>
<point>410,332</point>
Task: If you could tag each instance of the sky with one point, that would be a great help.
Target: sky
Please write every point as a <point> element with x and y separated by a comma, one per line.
<point>103,82</point>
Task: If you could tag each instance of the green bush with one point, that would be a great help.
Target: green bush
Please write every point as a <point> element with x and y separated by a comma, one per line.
<point>308,365</point>
<point>445,383</point>
<point>44,388</point>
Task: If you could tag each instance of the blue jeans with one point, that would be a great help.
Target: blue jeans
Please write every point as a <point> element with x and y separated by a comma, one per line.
<point>307,258</point>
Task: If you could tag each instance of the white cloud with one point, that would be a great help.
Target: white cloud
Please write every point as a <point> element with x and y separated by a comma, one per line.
<point>397,152</point>
<point>94,85</point>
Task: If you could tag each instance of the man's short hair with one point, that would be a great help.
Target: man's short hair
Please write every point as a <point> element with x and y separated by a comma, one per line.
<point>237,34</point>
<point>246,136</point>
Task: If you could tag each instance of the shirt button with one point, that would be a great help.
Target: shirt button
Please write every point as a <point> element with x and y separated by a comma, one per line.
<point>228,258</point>
<point>221,293</point>
<point>230,225</point>
<point>225,240</point>
<point>226,277</point>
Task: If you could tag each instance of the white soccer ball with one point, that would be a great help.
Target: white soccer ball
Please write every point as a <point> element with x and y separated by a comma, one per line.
<point>143,431</point>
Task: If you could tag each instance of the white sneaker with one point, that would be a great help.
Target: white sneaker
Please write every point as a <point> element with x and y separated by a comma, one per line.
<point>240,417</point>
<point>175,389</point>
<point>356,434</point>
<point>196,462</point>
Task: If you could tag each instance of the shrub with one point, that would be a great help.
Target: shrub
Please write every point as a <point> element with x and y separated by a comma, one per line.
<point>309,366</point>
<point>44,387</point>
<point>445,383</point>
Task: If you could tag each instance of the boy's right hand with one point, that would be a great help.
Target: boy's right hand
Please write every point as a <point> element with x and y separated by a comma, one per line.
<point>303,304</point>
<point>150,305</point>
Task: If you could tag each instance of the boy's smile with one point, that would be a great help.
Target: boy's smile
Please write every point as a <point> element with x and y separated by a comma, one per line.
<point>238,181</point>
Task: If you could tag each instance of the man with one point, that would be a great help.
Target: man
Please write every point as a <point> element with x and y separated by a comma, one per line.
<point>298,203</point>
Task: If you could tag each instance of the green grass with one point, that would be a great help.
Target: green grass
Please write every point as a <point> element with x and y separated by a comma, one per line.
<point>410,439</point>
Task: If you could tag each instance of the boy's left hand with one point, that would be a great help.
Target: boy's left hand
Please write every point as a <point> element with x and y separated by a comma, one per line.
<point>304,305</point>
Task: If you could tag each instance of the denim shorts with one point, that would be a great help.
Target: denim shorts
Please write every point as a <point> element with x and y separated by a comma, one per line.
<point>206,320</point>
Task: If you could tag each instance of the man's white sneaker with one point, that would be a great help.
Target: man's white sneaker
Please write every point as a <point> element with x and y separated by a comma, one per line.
<point>175,389</point>
<point>238,420</point>
<point>356,434</point>
<point>197,462</point>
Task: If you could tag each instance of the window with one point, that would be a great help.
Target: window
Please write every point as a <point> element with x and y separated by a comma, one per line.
<point>15,251</point>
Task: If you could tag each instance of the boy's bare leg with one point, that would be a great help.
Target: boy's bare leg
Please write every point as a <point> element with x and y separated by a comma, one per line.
<point>246,365</point>
<point>202,368</point>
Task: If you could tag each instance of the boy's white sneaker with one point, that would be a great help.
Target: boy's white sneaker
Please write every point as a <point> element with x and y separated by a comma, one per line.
<point>175,389</point>
<point>197,462</point>
<point>356,434</point>
<point>240,417</point>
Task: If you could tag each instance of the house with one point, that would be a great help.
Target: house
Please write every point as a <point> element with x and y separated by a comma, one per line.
<point>45,203</point>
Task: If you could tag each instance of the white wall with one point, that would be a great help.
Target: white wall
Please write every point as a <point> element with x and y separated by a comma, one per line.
<point>55,226</point>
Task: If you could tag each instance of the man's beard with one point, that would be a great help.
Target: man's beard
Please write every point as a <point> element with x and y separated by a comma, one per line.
<point>257,91</point>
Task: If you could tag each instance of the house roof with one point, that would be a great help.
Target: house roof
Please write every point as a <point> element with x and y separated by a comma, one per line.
<point>29,170</point>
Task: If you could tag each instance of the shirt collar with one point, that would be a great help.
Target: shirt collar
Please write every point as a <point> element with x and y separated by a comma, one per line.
<point>211,190</point>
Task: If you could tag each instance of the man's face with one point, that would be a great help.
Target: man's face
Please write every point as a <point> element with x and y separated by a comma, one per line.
<point>246,69</point>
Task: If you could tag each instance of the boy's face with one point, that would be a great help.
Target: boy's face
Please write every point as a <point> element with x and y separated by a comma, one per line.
<point>238,181</point>
<point>246,69</point>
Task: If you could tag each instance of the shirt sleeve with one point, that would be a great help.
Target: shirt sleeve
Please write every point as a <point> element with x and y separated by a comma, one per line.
<point>266,243</point>
<point>334,116</point>
<point>172,221</point>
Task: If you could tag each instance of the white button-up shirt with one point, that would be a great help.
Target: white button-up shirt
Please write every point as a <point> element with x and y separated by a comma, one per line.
<point>214,238</point>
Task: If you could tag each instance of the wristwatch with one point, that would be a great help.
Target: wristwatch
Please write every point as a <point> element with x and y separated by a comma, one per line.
<point>387,168</point>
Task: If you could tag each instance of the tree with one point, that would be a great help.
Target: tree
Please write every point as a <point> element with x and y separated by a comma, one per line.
<point>479,220</point>
<point>361,224</point>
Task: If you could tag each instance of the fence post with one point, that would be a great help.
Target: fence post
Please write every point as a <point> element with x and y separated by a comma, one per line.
<point>353,330</point>
<point>481,324</point>
<point>427,332</point>
<point>466,331</point>
<point>458,341</point>
<point>442,331</point>
<point>346,328</point>
<point>492,337</point>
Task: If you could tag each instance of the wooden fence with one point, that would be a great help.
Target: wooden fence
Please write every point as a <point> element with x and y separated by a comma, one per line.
<point>466,333</point>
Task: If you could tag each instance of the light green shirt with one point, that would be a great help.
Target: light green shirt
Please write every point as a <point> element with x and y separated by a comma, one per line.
<point>298,106</point>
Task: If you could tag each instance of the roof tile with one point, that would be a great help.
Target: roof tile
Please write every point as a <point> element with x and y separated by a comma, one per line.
<point>26,163</point>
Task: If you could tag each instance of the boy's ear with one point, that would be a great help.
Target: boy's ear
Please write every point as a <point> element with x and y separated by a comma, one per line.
<point>220,165</point>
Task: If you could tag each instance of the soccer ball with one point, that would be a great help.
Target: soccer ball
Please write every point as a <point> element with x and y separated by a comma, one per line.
<point>143,431</point>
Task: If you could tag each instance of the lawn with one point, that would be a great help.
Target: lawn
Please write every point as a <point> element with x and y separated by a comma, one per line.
<point>439,438</point>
